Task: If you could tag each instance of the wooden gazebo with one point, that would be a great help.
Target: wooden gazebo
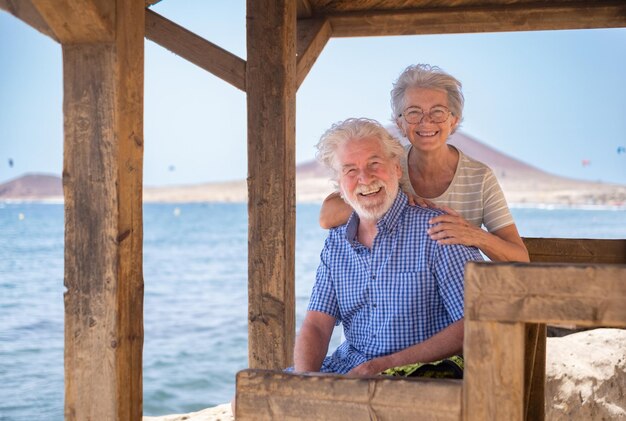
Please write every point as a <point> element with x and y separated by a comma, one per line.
<point>103,68</point>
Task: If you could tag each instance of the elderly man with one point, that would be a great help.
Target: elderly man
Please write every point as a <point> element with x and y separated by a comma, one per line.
<point>398,293</point>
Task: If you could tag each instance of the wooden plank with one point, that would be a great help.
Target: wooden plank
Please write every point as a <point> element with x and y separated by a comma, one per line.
<point>313,34</point>
<point>493,384</point>
<point>102,179</point>
<point>271,96</point>
<point>27,13</point>
<point>586,295</point>
<point>534,371</point>
<point>75,22</point>
<point>488,18</point>
<point>267,395</point>
<point>565,250</point>
<point>129,130</point>
<point>195,49</point>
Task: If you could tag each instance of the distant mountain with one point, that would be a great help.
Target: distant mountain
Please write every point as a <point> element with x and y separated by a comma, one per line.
<point>32,187</point>
<point>522,183</point>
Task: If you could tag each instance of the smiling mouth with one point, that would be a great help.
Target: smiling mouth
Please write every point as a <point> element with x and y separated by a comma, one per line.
<point>426,134</point>
<point>370,192</point>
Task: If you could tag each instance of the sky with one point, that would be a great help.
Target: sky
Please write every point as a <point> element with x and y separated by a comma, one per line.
<point>553,99</point>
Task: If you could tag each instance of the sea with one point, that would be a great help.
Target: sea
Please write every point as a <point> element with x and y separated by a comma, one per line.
<point>195,303</point>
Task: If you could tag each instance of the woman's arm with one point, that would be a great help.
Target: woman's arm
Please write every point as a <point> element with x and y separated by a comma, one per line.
<point>335,211</point>
<point>503,245</point>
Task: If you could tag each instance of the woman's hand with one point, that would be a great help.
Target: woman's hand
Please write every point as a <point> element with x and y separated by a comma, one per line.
<point>452,228</point>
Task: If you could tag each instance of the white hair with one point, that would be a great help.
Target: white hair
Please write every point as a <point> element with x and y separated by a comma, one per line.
<point>354,129</point>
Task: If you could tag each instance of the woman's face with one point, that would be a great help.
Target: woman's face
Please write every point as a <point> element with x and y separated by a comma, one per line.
<point>426,134</point>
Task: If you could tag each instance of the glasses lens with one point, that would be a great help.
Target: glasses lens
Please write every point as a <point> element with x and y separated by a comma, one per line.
<point>413,116</point>
<point>438,115</point>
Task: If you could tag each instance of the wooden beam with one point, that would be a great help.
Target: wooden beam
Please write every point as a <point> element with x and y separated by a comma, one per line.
<point>567,250</point>
<point>271,96</point>
<point>267,395</point>
<point>313,34</point>
<point>586,295</point>
<point>303,9</point>
<point>534,371</point>
<point>493,383</point>
<point>490,18</point>
<point>74,22</point>
<point>195,49</point>
<point>102,183</point>
<point>27,13</point>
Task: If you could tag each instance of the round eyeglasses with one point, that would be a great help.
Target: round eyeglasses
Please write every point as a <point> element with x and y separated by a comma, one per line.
<point>438,114</point>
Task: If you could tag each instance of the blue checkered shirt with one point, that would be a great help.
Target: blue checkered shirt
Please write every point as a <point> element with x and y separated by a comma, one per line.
<point>399,293</point>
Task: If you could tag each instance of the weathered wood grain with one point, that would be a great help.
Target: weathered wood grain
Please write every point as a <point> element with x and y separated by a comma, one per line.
<point>267,395</point>
<point>271,95</point>
<point>483,17</point>
<point>27,13</point>
<point>493,384</point>
<point>534,371</point>
<point>570,250</point>
<point>586,295</point>
<point>196,49</point>
<point>75,22</point>
<point>102,183</point>
<point>313,34</point>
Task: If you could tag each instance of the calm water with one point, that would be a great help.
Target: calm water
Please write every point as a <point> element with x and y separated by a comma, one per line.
<point>195,270</point>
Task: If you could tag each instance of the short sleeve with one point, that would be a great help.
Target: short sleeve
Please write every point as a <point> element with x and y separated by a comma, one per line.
<point>496,213</point>
<point>323,296</point>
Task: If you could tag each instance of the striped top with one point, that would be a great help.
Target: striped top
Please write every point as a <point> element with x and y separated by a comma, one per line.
<point>474,192</point>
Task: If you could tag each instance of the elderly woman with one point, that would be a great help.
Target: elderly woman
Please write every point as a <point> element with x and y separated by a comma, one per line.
<point>427,106</point>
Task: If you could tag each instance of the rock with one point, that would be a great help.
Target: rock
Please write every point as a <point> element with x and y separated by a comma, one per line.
<point>586,376</point>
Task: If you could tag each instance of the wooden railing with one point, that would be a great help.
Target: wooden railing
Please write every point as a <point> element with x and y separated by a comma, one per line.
<point>573,281</point>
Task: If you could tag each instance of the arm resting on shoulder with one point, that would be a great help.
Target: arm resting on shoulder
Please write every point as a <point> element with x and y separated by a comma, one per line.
<point>335,211</point>
<point>504,245</point>
<point>445,343</point>
<point>312,341</point>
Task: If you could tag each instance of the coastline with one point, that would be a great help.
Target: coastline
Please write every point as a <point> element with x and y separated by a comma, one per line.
<point>542,194</point>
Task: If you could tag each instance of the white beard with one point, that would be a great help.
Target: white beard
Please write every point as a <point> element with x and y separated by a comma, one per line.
<point>371,211</point>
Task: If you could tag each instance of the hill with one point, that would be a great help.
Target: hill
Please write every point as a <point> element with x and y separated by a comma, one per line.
<point>522,184</point>
<point>33,187</point>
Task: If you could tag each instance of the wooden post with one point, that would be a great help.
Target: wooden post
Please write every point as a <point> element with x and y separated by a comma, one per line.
<point>102,182</point>
<point>493,385</point>
<point>271,93</point>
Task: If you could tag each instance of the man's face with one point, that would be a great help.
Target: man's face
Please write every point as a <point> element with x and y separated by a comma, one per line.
<point>368,179</point>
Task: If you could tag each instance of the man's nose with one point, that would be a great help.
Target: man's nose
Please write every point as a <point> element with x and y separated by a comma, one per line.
<point>365,176</point>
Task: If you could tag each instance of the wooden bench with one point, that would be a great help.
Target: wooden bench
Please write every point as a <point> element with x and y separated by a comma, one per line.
<point>507,306</point>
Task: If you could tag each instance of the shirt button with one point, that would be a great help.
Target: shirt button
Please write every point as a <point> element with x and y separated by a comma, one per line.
<point>373,276</point>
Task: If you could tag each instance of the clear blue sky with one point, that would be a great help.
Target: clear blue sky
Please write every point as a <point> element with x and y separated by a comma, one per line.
<point>551,99</point>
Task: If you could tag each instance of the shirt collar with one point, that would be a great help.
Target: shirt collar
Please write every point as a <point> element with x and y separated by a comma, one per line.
<point>387,223</point>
